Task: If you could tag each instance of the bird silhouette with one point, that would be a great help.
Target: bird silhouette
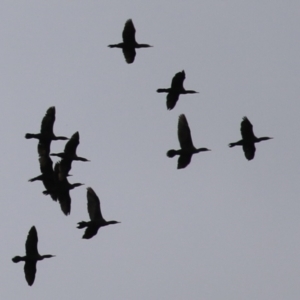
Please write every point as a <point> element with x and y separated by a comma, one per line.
<point>129,43</point>
<point>94,210</point>
<point>187,147</point>
<point>32,256</point>
<point>46,134</point>
<point>175,90</point>
<point>248,139</point>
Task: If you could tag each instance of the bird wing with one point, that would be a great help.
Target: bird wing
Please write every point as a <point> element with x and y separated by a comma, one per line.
<point>64,199</point>
<point>249,150</point>
<point>44,147</point>
<point>93,204</point>
<point>177,81</point>
<point>71,145</point>
<point>30,270</point>
<point>247,130</point>
<point>184,133</point>
<point>172,99</point>
<point>48,122</point>
<point>184,160</point>
<point>90,232</point>
<point>129,33</point>
<point>46,165</point>
<point>31,242</point>
<point>129,54</point>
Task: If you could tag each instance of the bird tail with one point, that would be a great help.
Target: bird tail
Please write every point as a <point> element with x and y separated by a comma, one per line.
<point>162,90</point>
<point>29,136</point>
<point>16,259</point>
<point>171,153</point>
<point>82,224</point>
<point>232,145</point>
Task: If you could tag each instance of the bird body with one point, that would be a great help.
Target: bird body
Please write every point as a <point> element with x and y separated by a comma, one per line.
<point>97,221</point>
<point>175,90</point>
<point>187,147</point>
<point>46,134</point>
<point>129,43</point>
<point>248,140</point>
<point>32,256</point>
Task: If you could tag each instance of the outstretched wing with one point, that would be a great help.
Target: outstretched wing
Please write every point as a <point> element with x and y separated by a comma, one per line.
<point>184,160</point>
<point>129,32</point>
<point>30,270</point>
<point>93,204</point>
<point>247,130</point>
<point>249,150</point>
<point>129,54</point>
<point>177,81</point>
<point>64,200</point>
<point>172,99</point>
<point>71,145</point>
<point>48,122</point>
<point>31,242</point>
<point>184,133</point>
<point>90,231</point>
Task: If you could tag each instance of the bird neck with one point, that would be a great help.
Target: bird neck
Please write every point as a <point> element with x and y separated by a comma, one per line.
<point>264,138</point>
<point>142,46</point>
<point>189,92</point>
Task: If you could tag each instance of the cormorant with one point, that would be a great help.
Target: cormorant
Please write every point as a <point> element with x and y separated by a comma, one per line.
<point>248,139</point>
<point>46,134</point>
<point>175,90</point>
<point>70,149</point>
<point>185,140</point>
<point>94,211</point>
<point>31,257</point>
<point>62,189</point>
<point>129,43</point>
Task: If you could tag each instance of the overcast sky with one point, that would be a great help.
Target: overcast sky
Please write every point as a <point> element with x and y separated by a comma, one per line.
<point>224,227</point>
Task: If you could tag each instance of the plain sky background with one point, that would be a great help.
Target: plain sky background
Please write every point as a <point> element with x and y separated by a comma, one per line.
<point>224,227</point>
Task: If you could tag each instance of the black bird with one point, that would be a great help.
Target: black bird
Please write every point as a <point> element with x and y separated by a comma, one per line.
<point>248,139</point>
<point>46,134</point>
<point>31,257</point>
<point>185,140</point>
<point>62,189</point>
<point>175,90</point>
<point>70,149</point>
<point>129,43</point>
<point>94,211</point>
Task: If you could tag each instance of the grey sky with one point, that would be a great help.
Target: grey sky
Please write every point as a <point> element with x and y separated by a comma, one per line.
<point>224,227</point>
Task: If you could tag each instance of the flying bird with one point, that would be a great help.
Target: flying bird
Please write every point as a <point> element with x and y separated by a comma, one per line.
<point>248,139</point>
<point>94,210</point>
<point>186,144</point>
<point>31,257</point>
<point>69,154</point>
<point>46,134</point>
<point>129,43</point>
<point>175,90</point>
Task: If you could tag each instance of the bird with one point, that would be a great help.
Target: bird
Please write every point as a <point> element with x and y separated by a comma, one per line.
<point>94,210</point>
<point>175,90</point>
<point>69,153</point>
<point>248,139</point>
<point>185,140</point>
<point>62,189</point>
<point>32,256</point>
<point>46,134</point>
<point>129,43</point>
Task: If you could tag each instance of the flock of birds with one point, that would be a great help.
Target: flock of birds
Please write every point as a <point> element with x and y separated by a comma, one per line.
<point>55,180</point>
